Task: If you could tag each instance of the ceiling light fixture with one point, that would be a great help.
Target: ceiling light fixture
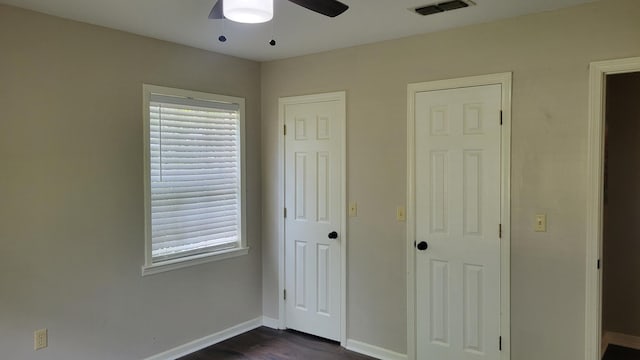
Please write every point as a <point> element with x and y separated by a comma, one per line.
<point>248,11</point>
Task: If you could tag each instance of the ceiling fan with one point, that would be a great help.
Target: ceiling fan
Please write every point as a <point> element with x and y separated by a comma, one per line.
<point>258,11</point>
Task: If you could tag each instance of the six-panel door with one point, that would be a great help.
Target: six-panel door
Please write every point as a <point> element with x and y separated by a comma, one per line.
<point>457,154</point>
<point>313,153</point>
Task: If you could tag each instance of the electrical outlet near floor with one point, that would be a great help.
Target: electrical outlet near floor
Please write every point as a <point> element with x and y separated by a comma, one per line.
<point>40,339</point>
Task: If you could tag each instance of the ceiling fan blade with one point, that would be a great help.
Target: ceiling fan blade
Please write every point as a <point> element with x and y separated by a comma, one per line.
<point>330,8</point>
<point>216,12</point>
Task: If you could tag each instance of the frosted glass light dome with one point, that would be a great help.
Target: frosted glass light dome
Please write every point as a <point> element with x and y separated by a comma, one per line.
<point>248,11</point>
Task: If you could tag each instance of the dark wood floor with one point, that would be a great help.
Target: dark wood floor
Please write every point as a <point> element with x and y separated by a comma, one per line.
<point>615,352</point>
<point>268,344</point>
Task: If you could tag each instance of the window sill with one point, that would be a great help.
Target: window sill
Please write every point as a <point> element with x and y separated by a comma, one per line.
<point>192,260</point>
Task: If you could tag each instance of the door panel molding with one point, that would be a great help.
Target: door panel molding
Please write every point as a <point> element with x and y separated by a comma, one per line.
<point>283,102</point>
<point>505,80</point>
<point>595,167</point>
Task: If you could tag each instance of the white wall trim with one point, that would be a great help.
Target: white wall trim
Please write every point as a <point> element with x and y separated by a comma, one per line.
<point>595,155</point>
<point>614,338</point>
<point>197,259</point>
<point>504,79</point>
<point>271,322</point>
<point>282,102</point>
<point>373,351</point>
<point>150,267</point>
<point>208,340</point>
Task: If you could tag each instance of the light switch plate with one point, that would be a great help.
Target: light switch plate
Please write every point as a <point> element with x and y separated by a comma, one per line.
<point>353,209</point>
<point>40,339</point>
<point>541,223</point>
<point>400,213</point>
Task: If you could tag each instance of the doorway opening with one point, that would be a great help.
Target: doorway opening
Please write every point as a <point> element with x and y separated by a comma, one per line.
<point>613,202</point>
<point>621,207</point>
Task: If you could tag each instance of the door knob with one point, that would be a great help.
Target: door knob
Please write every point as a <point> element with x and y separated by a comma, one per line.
<point>333,235</point>
<point>422,246</point>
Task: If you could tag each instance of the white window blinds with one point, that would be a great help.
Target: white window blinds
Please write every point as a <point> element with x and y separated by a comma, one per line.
<point>195,176</point>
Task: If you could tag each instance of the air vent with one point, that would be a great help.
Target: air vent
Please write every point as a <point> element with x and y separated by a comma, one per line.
<point>429,10</point>
<point>442,7</point>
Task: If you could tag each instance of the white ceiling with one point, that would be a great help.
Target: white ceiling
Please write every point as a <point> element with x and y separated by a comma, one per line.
<point>296,30</point>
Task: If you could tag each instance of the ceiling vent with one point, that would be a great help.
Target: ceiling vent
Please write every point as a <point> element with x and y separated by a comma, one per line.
<point>443,6</point>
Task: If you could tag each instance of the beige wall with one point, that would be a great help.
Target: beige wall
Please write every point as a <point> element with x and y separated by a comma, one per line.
<point>621,266</point>
<point>549,55</point>
<point>71,218</point>
<point>71,194</point>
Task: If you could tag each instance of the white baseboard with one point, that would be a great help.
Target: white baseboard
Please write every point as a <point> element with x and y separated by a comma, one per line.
<point>614,338</point>
<point>271,322</point>
<point>353,345</point>
<point>374,351</point>
<point>209,340</point>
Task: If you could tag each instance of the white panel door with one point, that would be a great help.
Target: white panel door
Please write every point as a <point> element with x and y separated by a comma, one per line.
<point>313,173</point>
<point>458,145</point>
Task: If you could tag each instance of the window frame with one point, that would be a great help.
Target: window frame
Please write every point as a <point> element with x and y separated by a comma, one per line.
<point>150,267</point>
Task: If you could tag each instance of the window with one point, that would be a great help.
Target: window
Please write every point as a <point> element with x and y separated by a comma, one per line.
<point>194,178</point>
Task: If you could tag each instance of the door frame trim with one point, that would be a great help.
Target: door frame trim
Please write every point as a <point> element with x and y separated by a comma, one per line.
<point>595,173</point>
<point>504,79</point>
<point>282,103</point>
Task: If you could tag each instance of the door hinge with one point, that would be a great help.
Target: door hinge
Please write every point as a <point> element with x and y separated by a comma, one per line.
<point>500,231</point>
<point>500,117</point>
<point>500,343</point>
<point>598,264</point>
<point>284,294</point>
<point>285,130</point>
<point>285,213</point>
